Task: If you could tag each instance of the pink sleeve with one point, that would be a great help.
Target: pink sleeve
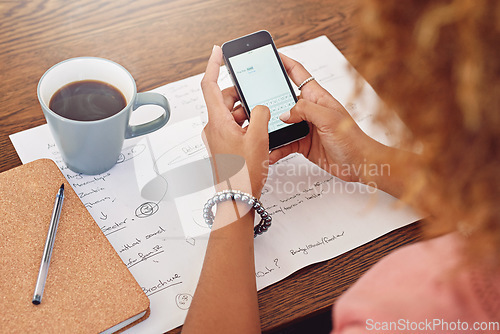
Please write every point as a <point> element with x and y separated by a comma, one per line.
<point>418,288</point>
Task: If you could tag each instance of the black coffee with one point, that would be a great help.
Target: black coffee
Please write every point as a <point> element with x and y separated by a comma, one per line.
<point>87,100</point>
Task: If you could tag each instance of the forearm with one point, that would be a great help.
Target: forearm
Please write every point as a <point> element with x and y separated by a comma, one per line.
<point>378,169</point>
<point>225,300</point>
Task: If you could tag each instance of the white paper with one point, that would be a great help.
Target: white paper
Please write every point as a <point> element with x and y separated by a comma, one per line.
<point>149,205</point>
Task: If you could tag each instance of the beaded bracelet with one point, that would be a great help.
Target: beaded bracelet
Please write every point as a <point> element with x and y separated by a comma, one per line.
<point>236,195</point>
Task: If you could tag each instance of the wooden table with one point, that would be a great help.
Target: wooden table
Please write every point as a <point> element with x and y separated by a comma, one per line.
<point>165,41</point>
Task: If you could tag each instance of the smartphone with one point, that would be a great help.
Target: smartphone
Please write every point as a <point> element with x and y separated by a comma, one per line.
<point>260,78</point>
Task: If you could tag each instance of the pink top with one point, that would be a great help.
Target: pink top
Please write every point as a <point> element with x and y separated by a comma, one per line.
<point>421,288</point>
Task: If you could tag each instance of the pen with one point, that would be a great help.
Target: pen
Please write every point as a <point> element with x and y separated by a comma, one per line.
<point>49,244</point>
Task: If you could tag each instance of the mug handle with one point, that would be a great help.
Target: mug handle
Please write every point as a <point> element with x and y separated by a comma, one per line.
<point>148,127</point>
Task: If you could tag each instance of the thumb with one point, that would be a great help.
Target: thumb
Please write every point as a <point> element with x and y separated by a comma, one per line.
<point>305,110</point>
<point>258,124</point>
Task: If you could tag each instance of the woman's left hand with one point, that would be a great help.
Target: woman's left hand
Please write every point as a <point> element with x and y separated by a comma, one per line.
<point>240,156</point>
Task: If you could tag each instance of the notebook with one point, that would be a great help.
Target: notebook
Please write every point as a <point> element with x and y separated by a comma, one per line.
<point>88,289</point>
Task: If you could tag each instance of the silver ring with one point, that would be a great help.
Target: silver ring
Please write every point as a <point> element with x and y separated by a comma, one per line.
<point>306,81</point>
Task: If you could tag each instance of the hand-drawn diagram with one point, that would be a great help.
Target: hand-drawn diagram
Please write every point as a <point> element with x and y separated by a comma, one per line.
<point>146,209</point>
<point>183,300</point>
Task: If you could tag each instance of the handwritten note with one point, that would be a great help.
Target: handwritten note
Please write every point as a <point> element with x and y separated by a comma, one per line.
<point>149,205</point>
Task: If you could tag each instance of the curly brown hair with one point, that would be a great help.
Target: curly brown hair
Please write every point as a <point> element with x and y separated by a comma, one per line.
<point>437,63</point>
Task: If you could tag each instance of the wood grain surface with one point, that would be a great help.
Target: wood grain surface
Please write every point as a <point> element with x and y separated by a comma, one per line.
<point>165,41</point>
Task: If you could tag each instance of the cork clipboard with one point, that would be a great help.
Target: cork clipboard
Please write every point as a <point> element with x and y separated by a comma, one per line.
<point>88,289</point>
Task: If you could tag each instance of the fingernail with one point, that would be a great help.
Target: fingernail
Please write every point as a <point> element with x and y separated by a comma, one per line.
<point>285,116</point>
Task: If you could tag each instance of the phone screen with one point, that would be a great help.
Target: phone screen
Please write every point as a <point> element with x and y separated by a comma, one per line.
<point>262,82</point>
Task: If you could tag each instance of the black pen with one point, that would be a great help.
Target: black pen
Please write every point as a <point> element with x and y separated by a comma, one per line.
<point>49,244</point>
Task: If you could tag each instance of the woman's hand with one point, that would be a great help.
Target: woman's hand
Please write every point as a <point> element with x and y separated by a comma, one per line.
<point>335,142</point>
<point>239,155</point>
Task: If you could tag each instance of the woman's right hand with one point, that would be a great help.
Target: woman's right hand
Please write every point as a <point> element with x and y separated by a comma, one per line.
<point>335,142</point>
